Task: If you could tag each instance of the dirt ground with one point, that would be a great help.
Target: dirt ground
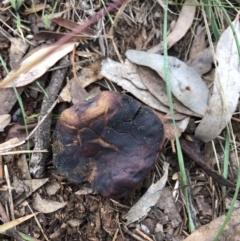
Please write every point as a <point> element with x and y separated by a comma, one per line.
<point>67,210</point>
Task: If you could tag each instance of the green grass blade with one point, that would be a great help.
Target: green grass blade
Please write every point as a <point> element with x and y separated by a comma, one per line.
<point>178,146</point>
<point>226,156</point>
<point>109,16</point>
<point>212,19</point>
<point>42,89</point>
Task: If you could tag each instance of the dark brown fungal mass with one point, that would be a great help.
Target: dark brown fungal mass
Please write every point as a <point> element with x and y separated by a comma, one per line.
<point>111,141</point>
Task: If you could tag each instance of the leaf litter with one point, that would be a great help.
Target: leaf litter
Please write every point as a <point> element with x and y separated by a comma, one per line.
<point>148,200</point>
<point>186,84</point>
<point>146,81</point>
<point>42,66</point>
<point>225,94</point>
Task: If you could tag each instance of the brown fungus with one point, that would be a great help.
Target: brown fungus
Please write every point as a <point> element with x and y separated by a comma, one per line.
<point>110,141</point>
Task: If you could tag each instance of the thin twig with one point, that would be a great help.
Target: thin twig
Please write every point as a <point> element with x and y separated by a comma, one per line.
<point>10,192</point>
<point>20,152</point>
<point>39,225</point>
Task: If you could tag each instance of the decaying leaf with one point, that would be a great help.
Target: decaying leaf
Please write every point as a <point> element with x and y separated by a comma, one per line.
<point>167,203</point>
<point>17,50</point>
<point>36,8</point>
<point>8,145</point>
<point>4,121</point>
<point>32,185</point>
<point>183,23</point>
<point>200,57</point>
<point>186,84</point>
<point>192,149</point>
<point>77,91</point>
<point>181,125</point>
<point>157,87</point>
<point>8,99</point>
<point>72,25</point>
<point>16,130</point>
<point>127,71</point>
<point>42,66</point>
<point>199,42</point>
<point>65,95</point>
<point>90,74</point>
<point>52,187</point>
<point>46,206</point>
<point>208,232</point>
<point>203,207</point>
<point>181,27</point>
<point>45,35</point>
<point>202,63</point>
<point>148,200</point>
<point>85,191</point>
<point>23,165</point>
<point>226,88</point>
<point>123,76</point>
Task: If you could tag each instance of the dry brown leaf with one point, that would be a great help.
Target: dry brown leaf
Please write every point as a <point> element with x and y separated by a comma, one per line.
<point>32,185</point>
<point>157,87</point>
<point>46,206</point>
<point>224,99</point>
<point>183,23</point>
<point>71,25</point>
<point>36,8</point>
<point>121,75</point>
<point>186,84</point>
<point>42,66</point>
<point>203,207</point>
<point>169,130</point>
<point>200,57</point>
<point>90,74</point>
<point>4,121</point>
<point>84,191</point>
<point>8,99</point>
<point>23,165</point>
<point>77,91</point>
<point>52,187</point>
<point>208,232</point>
<point>17,50</point>
<point>202,63</point>
<point>148,200</point>
<point>65,94</point>
<point>199,42</point>
<point>167,203</point>
<point>45,35</point>
<point>181,27</point>
<point>16,131</point>
<point>8,145</point>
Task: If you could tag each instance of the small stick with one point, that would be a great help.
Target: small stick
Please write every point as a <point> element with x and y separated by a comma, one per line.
<point>39,225</point>
<point>115,235</point>
<point>19,152</point>
<point>42,134</point>
<point>138,231</point>
<point>135,236</point>
<point>1,168</point>
<point>10,192</point>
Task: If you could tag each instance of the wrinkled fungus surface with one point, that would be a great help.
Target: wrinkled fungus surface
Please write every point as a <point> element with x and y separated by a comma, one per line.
<point>110,141</point>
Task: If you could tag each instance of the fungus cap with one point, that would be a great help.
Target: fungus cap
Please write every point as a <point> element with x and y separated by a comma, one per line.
<point>110,141</point>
